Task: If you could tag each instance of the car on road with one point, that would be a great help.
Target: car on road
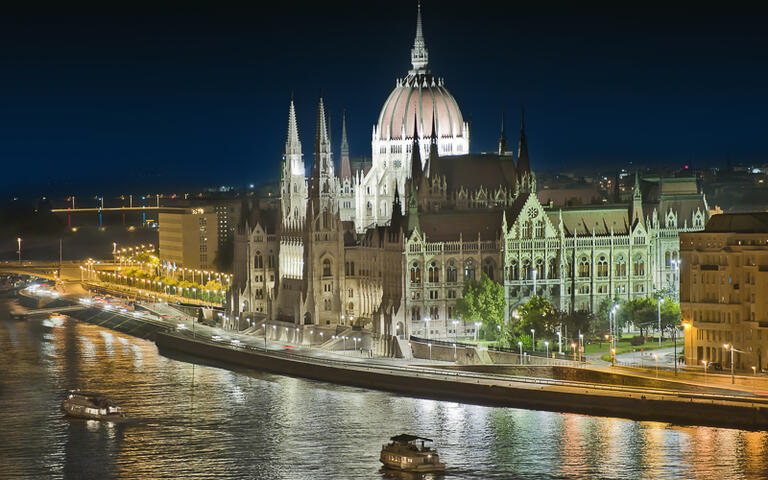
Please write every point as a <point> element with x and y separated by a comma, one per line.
<point>716,366</point>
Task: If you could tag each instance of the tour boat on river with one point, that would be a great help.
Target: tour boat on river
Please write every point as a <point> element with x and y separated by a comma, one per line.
<point>410,454</point>
<point>91,406</point>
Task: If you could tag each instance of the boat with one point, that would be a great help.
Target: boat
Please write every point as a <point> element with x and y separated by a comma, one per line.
<point>410,453</point>
<point>91,406</point>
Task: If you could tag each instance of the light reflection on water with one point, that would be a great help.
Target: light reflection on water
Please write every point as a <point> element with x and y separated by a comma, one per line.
<point>249,424</point>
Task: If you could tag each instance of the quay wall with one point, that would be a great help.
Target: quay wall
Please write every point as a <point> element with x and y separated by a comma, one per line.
<point>678,408</point>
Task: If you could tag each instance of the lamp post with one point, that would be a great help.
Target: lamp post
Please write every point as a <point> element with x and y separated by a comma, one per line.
<point>656,357</point>
<point>520,344</point>
<point>19,250</point>
<point>705,370</point>
<point>430,351</point>
<point>573,347</point>
<point>264,326</point>
<point>426,326</point>
<point>477,326</point>
<point>534,282</point>
<point>533,337</point>
<point>581,345</point>
<point>546,345</point>
<point>661,300</point>
<point>454,352</point>
<point>730,347</point>
<point>345,344</point>
<point>455,329</point>
<point>560,339</point>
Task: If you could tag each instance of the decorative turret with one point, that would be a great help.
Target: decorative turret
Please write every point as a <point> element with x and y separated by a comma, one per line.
<point>293,182</point>
<point>419,53</point>
<point>637,202</point>
<point>502,138</point>
<point>416,171</point>
<point>433,161</point>
<point>346,168</point>
<point>523,162</point>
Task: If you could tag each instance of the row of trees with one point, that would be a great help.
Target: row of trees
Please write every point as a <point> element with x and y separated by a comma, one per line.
<point>483,302</point>
<point>211,291</point>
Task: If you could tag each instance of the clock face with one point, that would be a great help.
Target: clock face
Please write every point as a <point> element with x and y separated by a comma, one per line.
<point>532,212</point>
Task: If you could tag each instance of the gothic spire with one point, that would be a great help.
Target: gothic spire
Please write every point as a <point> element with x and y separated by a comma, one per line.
<point>523,162</point>
<point>292,143</point>
<point>502,138</point>
<point>415,155</point>
<point>434,155</point>
<point>346,168</point>
<point>419,53</point>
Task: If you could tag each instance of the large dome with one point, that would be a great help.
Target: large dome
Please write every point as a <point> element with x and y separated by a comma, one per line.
<point>420,97</point>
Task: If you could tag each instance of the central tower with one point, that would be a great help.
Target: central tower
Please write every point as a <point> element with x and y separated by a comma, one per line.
<point>419,101</point>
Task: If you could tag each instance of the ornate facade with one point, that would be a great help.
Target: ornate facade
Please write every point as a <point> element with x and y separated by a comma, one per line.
<point>389,249</point>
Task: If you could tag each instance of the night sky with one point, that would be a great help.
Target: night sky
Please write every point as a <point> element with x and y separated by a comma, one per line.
<point>130,98</point>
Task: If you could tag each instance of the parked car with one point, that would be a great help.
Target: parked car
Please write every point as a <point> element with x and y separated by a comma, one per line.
<point>716,366</point>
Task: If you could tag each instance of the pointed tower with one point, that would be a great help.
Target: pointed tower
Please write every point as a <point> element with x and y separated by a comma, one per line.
<point>523,163</point>
<point>637,202</point>
<point>502,138</point>
<point>419,53</point>
<point>433,161</point>
<point>293,183</point>
<point>346,168</point>
<point>416,167</point>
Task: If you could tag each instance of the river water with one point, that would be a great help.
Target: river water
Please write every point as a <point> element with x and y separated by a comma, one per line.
<point>202,421</point>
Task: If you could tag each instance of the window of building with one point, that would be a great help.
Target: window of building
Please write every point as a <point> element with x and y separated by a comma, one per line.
<point>326,268</point>
<point>415,314</point>
<point>469,270</point>
<point>602,267</point>
<point>258,261</point>
<point>638,266</point>
<point>433,294</point>
<point>513,270</point>
<point>488,268</point>
<point>584,267</point>
<point>451,293</point>
<point>433,273</point>
<point>525,271</point>
<point>434,312</point>
<point>415,273</point>
<point>621,267</point>
<point>451,272</point>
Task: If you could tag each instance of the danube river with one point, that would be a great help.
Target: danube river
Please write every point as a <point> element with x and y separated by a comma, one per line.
<point>200,421</point>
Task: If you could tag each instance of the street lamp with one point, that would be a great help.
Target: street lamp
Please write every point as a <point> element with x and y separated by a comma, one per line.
<point>705,370</point>
<point>560,340</point>
<point>546,345</point>
<point>430,351</point>
<point>534,282</point>
<point>477,327</point>
<point>520,344</point>
<point>455,322</point>
<point>533,337</point>
<point>656,357</point>
<point>661,300</point>
<point>573,347</point>
<point>426,326</point>
<point>264,326</point>
<point>581,345</point>
<point>730,347</point>
<point>19,250</point>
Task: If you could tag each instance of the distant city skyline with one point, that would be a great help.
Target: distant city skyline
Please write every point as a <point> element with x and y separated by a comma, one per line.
<point>126,99</point>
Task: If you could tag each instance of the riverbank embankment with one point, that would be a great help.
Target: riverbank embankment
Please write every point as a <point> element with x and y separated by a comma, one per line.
<point>493,390</point>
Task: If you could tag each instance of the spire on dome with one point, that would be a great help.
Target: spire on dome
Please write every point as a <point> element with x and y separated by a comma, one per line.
<point>292,143</point>
<point>523,162</point>
<point>419,53</point>
<point>346,168</point>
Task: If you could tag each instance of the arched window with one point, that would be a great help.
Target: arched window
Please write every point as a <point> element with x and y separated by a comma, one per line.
<point>525,272</point>
<point>638,266</point>
<point>415,273</point>
<point>526,230</point>
<point>668,259</point>
<point>621,267</point>
<point>513,273</point>
<point>258,261</point>
<point>602,267</point>
<point>552,268</point>
<point>271,258</point>
<point>469,270</point>
<point>488,268</point>
<point>434,273</point>
<point>451,272</point>
<point>584,267</point>
<point>539,229</point>
<point>369,209</point>
<point>539,268</point>
<point>326,268</point>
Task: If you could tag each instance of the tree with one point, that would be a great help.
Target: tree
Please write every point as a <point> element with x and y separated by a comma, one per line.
<point>483,302</point>
<point>579,321</point>
<point>537,314</point>
<point>601,324</point>
<point>670,315</point>
<point>640,311</point>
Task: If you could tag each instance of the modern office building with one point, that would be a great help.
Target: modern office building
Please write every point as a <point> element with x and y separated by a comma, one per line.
<point>189,239</point>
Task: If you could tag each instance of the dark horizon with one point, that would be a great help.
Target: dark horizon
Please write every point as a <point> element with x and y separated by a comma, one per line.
<point>133,100</point>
